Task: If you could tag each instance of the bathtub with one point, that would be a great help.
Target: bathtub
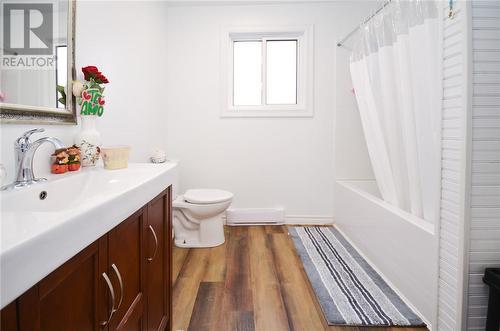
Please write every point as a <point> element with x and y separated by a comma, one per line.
<point>400,246</point>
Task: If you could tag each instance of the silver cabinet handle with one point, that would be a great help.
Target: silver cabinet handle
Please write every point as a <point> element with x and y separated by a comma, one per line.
<point>156,243</point>
<point>119,276</point>
<point>112,293</point>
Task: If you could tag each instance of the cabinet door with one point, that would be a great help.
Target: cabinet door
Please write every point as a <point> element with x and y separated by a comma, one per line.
<point>126,269</point>
<point>8,317</point>
<point>72,298</point>
<point>158,259</point>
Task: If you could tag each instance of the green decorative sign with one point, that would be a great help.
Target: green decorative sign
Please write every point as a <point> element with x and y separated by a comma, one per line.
<point>92,102</point>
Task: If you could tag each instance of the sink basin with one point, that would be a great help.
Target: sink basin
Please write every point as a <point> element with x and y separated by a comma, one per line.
<point>51,196</point>
<point>72,190</point>
<point>44,225</point>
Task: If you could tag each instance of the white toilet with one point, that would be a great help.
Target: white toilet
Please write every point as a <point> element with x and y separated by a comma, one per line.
<point>198,217</point>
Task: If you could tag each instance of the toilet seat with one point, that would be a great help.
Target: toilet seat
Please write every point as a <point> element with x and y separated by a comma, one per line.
<point>207,196</point>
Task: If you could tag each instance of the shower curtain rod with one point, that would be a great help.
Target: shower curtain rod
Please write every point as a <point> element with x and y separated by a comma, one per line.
<point>350,34</point>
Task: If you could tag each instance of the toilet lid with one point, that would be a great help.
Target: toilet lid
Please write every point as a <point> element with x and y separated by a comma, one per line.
<point>206,196</point>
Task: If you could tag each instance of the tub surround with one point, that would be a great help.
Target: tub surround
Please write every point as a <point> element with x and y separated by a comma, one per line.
<point>38,236</point>
<point>401,247</point>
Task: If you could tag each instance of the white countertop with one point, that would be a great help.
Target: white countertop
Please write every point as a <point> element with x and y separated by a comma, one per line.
<point>37,236</point>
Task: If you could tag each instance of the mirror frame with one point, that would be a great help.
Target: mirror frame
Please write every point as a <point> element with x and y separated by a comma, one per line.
<point>26,114</point>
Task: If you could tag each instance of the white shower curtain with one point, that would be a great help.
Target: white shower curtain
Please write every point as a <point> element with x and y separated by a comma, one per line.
<point>396,73</point>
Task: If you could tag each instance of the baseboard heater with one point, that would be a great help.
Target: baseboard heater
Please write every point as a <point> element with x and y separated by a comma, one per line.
<point>256,216</point>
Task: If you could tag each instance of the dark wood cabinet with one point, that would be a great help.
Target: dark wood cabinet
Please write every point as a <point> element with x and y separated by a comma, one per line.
<point>159,234</point>
<point>8,320</point>
<point>120,282</point>
<point>71,296</point>
<point>126,264</point>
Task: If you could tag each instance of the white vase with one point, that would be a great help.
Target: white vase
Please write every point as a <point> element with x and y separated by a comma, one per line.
<point>89,141</point>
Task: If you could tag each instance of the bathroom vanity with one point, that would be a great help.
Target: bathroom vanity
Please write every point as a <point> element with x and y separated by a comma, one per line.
<point>89,267</point>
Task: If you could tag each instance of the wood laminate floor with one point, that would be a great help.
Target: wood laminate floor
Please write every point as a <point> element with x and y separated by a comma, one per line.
<point>255,281</point>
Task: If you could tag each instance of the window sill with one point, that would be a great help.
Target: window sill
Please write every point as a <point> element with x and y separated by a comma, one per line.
<point>263,113</point>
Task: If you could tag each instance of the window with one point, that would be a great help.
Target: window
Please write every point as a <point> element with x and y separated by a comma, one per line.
<point>267,74</point>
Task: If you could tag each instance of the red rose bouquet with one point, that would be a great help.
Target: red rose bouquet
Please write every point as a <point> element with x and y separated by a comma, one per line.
<point>92,74</point>
<point>89,94</point>
<point>94,79</point>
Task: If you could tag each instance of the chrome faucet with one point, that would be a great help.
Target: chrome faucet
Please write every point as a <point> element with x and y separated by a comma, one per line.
<point>25,151</point>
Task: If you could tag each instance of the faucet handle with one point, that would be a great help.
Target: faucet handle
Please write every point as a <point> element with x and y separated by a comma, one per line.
<point>25,137</point>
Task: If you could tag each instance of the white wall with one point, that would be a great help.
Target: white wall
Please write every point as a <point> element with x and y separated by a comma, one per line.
<point>351,154</point>
<point>270,162</point>
<point>125,39</point>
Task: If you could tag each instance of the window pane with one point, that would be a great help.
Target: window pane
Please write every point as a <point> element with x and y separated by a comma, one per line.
<point>247,73</point>
<point>282,72</point>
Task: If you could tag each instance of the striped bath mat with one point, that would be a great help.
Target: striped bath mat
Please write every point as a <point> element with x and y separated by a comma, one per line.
<point>349,291</point>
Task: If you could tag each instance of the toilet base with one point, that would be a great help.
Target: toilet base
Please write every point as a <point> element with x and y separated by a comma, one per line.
<point>185,244</point>
<point>208,233</point>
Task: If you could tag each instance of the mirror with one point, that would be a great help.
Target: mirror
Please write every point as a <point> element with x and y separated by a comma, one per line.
<point>37,61</point>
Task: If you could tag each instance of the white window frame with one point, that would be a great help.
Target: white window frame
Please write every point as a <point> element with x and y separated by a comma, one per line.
<point>304,37</point>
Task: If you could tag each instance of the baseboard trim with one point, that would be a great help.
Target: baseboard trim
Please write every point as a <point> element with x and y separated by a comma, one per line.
<point>308,220</point>
<point>301,220</point>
